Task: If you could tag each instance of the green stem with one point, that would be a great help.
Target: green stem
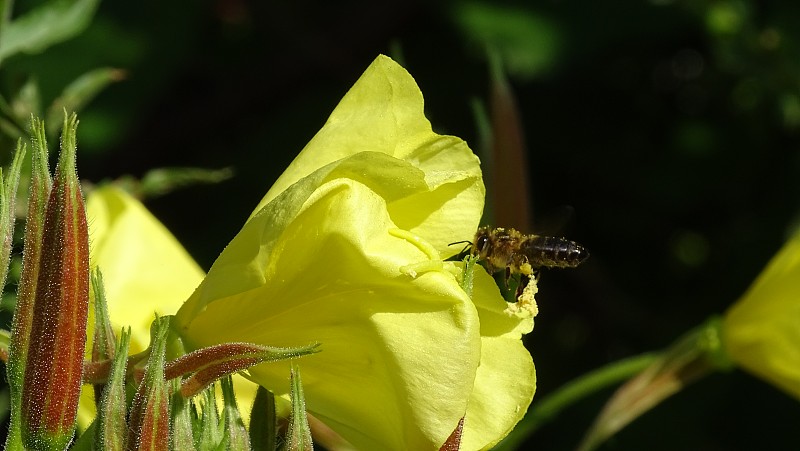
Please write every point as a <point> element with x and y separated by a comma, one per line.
<point>551,405</point>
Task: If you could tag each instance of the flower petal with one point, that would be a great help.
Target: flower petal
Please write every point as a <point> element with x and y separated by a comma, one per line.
<point>761,331</point>
<point>506,378</point>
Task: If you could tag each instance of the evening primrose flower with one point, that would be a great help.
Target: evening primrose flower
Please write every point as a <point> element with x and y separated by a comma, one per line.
<point>761,332</point>
<point>346,250</point>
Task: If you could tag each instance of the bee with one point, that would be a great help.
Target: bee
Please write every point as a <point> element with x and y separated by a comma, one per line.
<point>522,254</point>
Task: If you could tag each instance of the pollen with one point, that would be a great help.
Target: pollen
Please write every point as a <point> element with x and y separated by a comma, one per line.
<point>526,306</point>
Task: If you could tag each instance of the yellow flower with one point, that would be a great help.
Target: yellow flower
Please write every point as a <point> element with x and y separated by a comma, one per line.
<point>346,250</point>
<point>146,271</point>
<point>761,332</point>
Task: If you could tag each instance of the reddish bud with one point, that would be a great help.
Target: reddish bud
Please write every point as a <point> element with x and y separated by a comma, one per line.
<point>54,361</point>
<point>149,419</point>
<point>211,363</point>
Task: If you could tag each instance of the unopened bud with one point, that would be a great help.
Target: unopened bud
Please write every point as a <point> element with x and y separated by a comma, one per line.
<point>54,361</point>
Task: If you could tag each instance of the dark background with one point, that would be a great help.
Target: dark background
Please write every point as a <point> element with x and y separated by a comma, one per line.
<point>669,128</point>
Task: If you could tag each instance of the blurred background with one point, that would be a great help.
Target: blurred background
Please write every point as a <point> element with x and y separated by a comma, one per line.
<point>662,135</point>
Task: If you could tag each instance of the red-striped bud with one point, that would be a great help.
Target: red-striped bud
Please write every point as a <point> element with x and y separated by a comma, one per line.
<point>54,361</point>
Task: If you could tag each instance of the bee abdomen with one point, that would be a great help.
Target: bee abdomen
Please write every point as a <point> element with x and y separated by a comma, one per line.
<point>554,252</point>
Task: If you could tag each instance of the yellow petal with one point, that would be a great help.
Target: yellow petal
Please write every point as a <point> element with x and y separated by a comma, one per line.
<point>506,378</point>
<point>761,331</point>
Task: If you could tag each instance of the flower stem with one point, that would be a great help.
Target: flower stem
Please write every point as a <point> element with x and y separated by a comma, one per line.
<point>551,405</point>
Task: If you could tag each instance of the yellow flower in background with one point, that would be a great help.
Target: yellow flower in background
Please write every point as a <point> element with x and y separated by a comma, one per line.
<point>761,332</point>
<point>145,269</point>
<point>329,256</point>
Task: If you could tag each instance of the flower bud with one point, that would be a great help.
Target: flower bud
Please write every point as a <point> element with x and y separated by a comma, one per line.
<point>39,191</point>
<point>112,428</point>
<point>149,419</point>
<point>8,195</point>
<point>54,362</point>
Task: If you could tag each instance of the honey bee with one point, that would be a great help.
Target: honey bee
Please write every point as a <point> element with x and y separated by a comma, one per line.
<point>524,254</point>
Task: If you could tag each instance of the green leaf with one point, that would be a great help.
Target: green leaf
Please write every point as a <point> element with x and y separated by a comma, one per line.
<point>160,181</point>
<point>527,39</point>
<point>27,102</point>
<point>54,22</point>
<point>80,92</point>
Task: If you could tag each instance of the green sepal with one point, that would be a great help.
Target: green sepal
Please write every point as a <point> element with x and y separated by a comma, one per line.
<point>235,432</point>
<point>183,416</point>
<point>209,430</point>
<point>103,345</point>
<point>298,438</point>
